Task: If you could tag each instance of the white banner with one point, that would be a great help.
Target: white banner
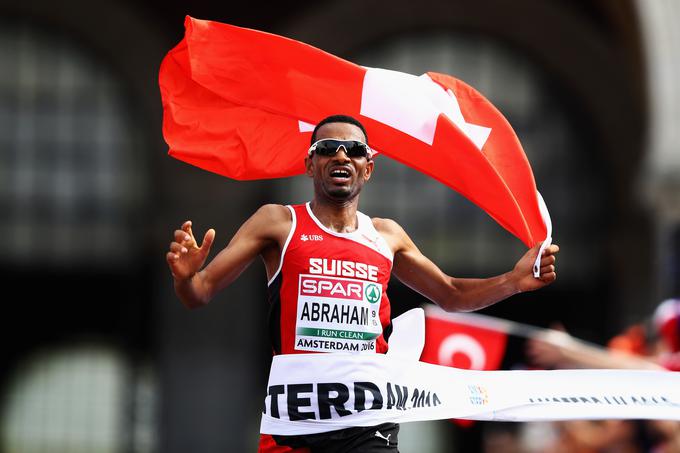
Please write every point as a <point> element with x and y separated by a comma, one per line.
<point>311,393</point>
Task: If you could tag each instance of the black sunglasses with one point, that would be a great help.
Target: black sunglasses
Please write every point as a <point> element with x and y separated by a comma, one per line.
<point>329,147</point>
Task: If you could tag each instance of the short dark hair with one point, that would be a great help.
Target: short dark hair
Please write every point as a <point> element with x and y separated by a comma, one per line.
<point>339,119</point>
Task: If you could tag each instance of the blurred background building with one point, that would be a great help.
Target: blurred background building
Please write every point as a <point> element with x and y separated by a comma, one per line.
<point>97,353</point>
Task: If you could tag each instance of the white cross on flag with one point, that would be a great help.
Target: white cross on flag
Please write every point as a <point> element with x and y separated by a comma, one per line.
<point>243,103</point>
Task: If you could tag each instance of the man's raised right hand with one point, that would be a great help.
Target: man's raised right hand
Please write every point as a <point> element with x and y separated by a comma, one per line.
<point>185,257</point>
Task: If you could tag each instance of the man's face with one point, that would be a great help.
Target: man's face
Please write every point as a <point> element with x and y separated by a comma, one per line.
<point>339,177</point>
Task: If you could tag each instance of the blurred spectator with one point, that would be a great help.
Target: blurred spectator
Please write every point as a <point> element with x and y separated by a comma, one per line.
<point>666,321</point>
<point>634,340</point>
<point>665,435</point>
<point>657,348</point>
<point>558,349</point>
<point>633,349</point>
<point>590,436</point>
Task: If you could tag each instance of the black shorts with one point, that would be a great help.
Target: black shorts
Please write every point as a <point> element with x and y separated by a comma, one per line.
<point>378,439</point>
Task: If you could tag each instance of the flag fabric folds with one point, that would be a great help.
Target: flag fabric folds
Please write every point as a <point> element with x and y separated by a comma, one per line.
<point>242,103</point>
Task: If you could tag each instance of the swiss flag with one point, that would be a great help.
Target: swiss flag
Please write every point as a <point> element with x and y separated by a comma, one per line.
<point>461,341</point>
<point>243,103</point>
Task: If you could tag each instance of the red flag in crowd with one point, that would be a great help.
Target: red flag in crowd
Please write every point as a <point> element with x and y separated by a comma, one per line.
<point>462,341</point>
<point>242,103</point>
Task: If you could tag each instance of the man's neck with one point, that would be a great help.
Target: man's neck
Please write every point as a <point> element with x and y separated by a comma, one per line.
<point>340,217</point>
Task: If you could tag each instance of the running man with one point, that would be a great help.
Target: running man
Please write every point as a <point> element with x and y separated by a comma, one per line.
<point>328,267</point>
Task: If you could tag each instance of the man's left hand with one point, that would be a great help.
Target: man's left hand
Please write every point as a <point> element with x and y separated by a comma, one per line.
<point>524,268</point>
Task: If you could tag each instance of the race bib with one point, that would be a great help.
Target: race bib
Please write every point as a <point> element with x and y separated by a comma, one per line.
<point>337,314</point>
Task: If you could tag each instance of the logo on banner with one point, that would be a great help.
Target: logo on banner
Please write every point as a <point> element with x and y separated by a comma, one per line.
<point>611,400</point>
<point>478,395</point>
<point>333,400</point>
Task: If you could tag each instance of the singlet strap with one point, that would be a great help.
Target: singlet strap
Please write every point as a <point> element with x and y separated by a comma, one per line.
<point>285,245</point>
<point>365,234</point>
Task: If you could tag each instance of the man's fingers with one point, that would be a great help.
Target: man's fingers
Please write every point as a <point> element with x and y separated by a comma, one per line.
<point>551,249</point>
<point>177,248</point>
<point>171,257</point>
<point>208,239</point>
<point>547,260</point>
<point>547,269</point>
<point>186,227</point>
<point>183,237</point>
<point>549,277</point>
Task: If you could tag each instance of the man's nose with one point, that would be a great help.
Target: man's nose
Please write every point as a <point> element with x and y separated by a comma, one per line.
<point>341,153</point>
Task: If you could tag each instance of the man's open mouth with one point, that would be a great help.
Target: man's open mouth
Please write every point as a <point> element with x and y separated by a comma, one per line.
<point>340,174</point>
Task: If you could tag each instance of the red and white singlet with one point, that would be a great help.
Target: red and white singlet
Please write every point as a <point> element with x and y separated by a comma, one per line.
<point>330,291</point>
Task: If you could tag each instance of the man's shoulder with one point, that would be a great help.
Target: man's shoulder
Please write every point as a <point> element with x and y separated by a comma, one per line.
<point>386,226</point>
<point>273,213</point>
<point>273,208</point>
<point>270,221</point>
<point>392,233</point>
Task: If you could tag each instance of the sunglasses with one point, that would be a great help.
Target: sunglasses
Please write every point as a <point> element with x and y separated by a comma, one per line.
<point>329,147</point>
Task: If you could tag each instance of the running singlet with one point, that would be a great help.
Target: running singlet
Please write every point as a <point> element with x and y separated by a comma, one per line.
<point>329,293</point>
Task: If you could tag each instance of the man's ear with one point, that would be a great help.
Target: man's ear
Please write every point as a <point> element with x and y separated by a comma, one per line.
<point>309,166</point>
<point>368,170</point>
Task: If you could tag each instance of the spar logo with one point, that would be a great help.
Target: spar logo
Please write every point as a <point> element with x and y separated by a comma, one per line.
<point>372,293</point>
<point>339,288</point>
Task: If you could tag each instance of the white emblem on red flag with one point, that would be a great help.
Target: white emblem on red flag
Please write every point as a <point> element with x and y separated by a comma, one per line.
<point>462,344</point>
<point>413,104</point>
<point>305,127</point>
<point>455,339</point>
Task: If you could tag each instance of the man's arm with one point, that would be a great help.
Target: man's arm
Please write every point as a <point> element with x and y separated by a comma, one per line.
<point>561,350</point>
<point>417,272</point>
<point>264,230</point>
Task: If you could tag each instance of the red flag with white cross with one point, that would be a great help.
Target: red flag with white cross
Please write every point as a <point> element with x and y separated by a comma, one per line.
<point>242,103</point>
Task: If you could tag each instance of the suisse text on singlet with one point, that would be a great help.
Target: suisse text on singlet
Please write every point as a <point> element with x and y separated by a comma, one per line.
<point>342,268</point>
